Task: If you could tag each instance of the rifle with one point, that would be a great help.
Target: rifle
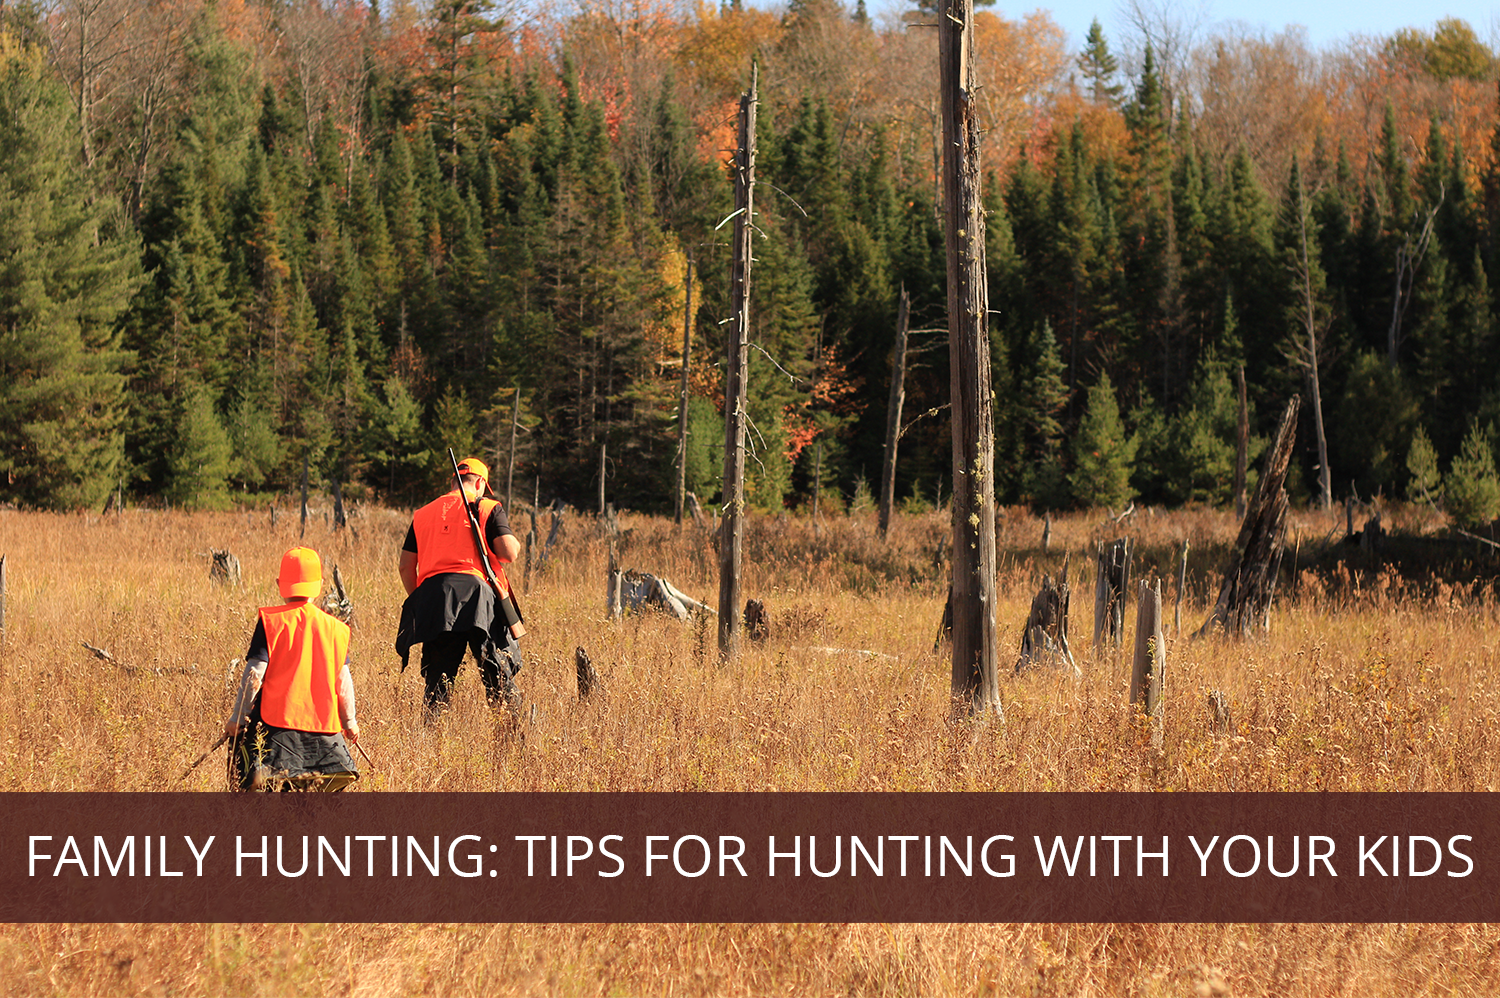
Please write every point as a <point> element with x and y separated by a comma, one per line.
<point>508,609</point>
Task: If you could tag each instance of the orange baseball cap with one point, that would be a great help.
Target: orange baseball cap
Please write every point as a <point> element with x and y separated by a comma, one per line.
<point>301,573</point>
<point>474,466</point>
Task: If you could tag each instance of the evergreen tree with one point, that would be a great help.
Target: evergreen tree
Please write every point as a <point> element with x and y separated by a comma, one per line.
<point>1103,454</point>
<point>1472,487</point>
<point>1045,396</point>
<point>199,460</point>
<point>67,273</point>
<point>1099,67</point>
<point>1425,482</point>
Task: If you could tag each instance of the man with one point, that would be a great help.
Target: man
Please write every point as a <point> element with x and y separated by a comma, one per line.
<point>450,606</point>
<point>295,706</point>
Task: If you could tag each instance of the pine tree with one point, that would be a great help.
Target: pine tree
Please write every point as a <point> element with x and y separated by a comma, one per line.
<point>1099,67</point>
<point>1472,486</point>
<point>66,275</point>
<point>1103,454</point>
<point>198,463</point>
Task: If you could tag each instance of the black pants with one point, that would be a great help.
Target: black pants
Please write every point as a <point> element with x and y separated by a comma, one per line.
<point>443,654</point>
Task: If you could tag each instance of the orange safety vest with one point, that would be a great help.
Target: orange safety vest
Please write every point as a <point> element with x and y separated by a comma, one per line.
<point>307,648</point>
<point>445,544</point>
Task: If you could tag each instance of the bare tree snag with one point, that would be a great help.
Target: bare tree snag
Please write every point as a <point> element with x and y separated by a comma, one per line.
<point>975,684</point>
<point>682,393</point>
<point>510,469</point>
<point>1242,443</point>
<point>1111,583</point>
<point>303,531</point>
<point>1044,638</point>
<point>1046,532</point>
<point>1181,586</point>
<point>339,519</point>
<point>587,677</point>
<point>732,536</point>
<point>893,413</point>
<point>603,463</point>
<point>1150,660</point>
<point>1250,581</point>
<point>2,599</point>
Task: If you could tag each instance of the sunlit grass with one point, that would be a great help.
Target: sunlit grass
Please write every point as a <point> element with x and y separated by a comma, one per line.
<point>1362,683</point>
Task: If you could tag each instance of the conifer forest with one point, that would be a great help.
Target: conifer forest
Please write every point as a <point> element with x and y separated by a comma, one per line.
<point>240,238</point>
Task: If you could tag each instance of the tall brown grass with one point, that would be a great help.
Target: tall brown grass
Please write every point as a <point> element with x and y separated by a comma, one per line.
<point>1362,683</point>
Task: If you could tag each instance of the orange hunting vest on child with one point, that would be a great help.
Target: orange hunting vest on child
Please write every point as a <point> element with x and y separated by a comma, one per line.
<point>307,648</point>
<point>445,543</point>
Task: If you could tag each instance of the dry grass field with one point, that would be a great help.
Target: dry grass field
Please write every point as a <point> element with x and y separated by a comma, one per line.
<point>1363,683</point>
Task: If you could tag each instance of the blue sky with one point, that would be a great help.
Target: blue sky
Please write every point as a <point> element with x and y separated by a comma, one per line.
<point>1328,22</point>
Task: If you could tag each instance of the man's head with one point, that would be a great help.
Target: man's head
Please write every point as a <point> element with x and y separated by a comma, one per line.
<point>301,573</point>
<point>474,472</point>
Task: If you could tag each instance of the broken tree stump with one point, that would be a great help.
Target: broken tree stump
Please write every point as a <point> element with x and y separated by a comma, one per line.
<point>1110,582</point>
<point>338,602</point>
<point>587,677</point>
<point>642,590</point>
<point>224,568</point>
<point>945,625</point>
<point>1250,580</point>
<point>1044,638</point>
<point>1150,663</point>
<point>757,623</point>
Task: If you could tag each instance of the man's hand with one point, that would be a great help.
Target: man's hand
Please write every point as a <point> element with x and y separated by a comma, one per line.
<point>231,728</point>
<point>351,731</point>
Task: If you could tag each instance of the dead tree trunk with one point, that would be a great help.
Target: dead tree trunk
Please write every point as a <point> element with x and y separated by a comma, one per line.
<point>2,599</point>
<point>682,395</point>
<point>732,538</point>
<point>1111,583</point>
<point>1044,637</point>
<point>1150,662</point>
<point>303,531</point>
<point>1242,446</point>
<point>1250,580</point>
<point>587,677</point>
<point>603,463</point>
<point>975,685</point>
<point>893,413</point>
<point>510,468</point>
<point>1181,586</point>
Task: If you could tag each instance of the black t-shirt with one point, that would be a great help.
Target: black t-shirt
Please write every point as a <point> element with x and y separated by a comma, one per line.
<point>498,526</point>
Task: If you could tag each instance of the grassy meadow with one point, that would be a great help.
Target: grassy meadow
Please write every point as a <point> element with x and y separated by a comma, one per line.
<point>1365,681</point>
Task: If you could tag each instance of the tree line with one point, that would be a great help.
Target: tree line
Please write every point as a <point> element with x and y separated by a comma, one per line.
<point>248,237</point>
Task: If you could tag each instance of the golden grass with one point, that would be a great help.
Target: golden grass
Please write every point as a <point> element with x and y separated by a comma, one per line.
<point>1352,689</point>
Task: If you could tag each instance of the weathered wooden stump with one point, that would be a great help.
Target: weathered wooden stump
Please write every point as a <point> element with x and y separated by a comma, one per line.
<point>1044,638</point>
<point>757,622</point>
<point>225,568</point>
<point>336,601</point>
<point>1244,601</point>
<point>588,679</point>
<point>1150,662</point>
<point>1110,582</point>
<point>634,591</point>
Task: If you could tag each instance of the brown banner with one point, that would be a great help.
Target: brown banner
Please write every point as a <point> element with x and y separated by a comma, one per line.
<point>750,857</point>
